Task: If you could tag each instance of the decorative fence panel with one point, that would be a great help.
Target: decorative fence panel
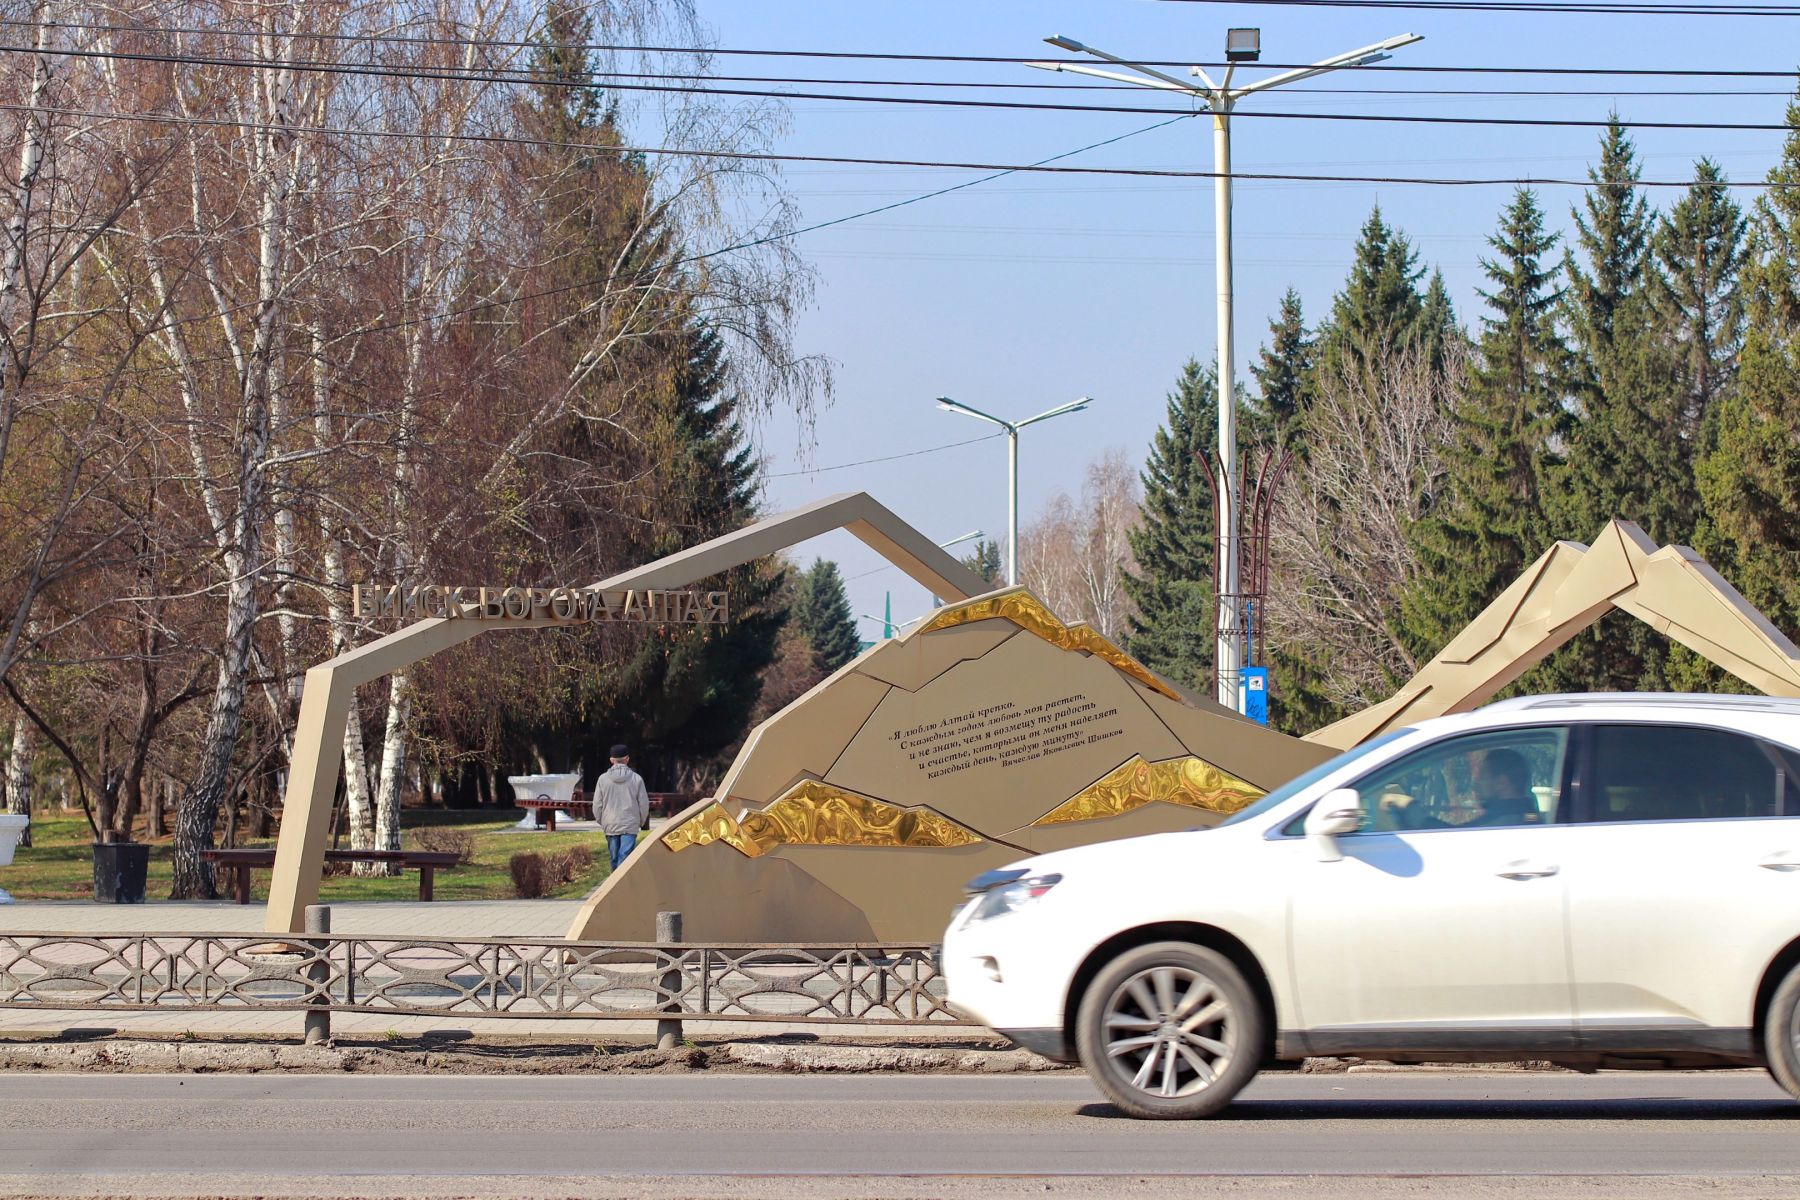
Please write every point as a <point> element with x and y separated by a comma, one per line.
<point>475,977</point>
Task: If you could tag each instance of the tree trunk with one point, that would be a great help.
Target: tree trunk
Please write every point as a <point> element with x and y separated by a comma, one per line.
<point>153,812</point>
<point>198,813</point>
<point>393,770</point>
<point>359,812</point>
<point>18,774</point>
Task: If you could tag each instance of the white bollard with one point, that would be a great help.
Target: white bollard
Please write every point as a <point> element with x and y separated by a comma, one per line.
<point>12,827</point>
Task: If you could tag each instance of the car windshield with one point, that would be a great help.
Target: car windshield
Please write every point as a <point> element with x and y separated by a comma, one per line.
<point>1300,783</point>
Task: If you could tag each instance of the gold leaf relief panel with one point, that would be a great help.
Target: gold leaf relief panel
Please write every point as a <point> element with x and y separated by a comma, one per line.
<point>1191,782</point>
<point>1030,614</point>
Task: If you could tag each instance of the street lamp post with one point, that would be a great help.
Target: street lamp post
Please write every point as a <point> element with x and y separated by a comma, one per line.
<point>1012,466</point>
<point>1241,45</point>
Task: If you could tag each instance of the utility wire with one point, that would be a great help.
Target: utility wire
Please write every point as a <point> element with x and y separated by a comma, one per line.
<point>784,235</point>
<point>923,101</point>
<point>998,168</point>
<point>691,81</point>
<point>1634,8</point>
<point>874,56</point>
<point>986,437</point>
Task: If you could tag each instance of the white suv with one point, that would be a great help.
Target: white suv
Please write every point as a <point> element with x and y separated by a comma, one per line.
<point>1600,881</point>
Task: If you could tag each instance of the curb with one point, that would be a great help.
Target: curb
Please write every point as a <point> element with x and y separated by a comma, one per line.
<point>124,1057</point>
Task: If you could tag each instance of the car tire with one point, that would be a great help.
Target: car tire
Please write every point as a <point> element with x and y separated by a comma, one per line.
<point>1157,1020</point>
<point>1781,1033</point>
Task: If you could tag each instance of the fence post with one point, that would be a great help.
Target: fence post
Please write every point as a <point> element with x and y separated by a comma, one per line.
<point>668,934</point>
<point>318,1020</point>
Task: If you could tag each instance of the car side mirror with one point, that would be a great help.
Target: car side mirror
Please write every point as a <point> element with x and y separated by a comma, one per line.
<point>1338,812</point>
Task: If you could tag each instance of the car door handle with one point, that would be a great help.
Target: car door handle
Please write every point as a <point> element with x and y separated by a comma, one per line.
<point>1526,869</point>
<point>1785,860</point>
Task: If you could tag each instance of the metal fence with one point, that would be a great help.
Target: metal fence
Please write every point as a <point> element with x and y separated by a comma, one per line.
<point>474,977</point>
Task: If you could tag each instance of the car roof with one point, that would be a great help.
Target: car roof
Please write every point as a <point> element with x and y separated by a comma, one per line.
<point>1660,703</point>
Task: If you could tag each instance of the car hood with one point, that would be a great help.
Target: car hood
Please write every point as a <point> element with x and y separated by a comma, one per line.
<point>1186,849</point>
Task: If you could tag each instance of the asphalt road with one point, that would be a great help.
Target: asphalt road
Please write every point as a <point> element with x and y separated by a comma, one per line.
<point>1628,1134</point>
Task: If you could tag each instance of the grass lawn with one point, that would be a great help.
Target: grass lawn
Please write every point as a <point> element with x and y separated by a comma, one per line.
<point>59,865</point>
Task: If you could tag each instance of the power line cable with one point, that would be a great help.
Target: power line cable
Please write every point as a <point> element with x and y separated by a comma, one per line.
<point>928,101</point>
<point>944,164</point>
<point>1577,123</point>
<point>1635,8</point>
<point>889,56</point>
<point>986,437</point>
<point>783,235</point>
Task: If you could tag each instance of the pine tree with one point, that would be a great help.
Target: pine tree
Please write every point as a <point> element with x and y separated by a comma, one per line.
<point>1622,453</point>
<point>682,693</point>
<point>1284,374</point>
<point>1700,246</point>
<point>1750,479</point>
<point>1612,232</point>
<point>1173,547</point>
<point>1488,524</point>
<point>822,614</point>
<point>1379,309</point>
<point>1436,330</point>
<point>984,560</point>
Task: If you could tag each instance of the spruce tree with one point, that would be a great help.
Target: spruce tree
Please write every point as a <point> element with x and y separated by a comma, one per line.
<point>1612,233</point>
<point>984,560</point>
<point>1487,523</point>
<point>673,459</point>
<point>1284,374</point>
<point>1379,309</point>
<point>822,614</point>
<point>1750,479</point>
<point>1623,456</point>
<point>1700,246</point>
<point>1173,547</point>
<point>1436,330</point>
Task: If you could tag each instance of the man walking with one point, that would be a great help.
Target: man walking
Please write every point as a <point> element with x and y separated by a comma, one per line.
<point>621,805</point>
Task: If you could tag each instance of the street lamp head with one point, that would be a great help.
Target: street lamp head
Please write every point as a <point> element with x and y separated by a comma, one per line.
<point>1243,45</point>
<point>947,404</point>
<point>1066,43</point>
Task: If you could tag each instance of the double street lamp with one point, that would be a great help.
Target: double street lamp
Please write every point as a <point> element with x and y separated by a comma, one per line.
<point>1012,466</point>
<point>1241,45</point>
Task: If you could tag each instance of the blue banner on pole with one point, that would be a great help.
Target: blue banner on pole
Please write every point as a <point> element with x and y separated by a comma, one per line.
<point>1253,693</point>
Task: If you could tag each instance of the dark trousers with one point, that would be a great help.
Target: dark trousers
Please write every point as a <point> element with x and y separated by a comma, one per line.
<point>618,845</point>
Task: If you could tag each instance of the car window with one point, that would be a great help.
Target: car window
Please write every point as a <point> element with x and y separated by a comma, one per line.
<point>1683,773</point>
<point>1300,783</point>
<point>1504,777</point>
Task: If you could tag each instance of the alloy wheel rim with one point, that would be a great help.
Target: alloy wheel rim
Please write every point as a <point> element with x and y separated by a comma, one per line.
<point>1169,1032</point>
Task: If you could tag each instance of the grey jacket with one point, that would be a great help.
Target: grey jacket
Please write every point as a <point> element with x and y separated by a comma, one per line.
<point>621,804</point>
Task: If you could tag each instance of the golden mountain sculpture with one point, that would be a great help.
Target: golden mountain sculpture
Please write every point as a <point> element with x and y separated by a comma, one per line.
<point>1192,782</point>
<point>991,730</point>
<point>813,814</point>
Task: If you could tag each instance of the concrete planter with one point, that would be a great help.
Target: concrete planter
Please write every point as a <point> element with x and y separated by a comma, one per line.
<point>12,827</point>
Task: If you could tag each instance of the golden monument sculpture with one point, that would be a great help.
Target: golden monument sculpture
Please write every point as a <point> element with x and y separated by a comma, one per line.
<point>990,731</point>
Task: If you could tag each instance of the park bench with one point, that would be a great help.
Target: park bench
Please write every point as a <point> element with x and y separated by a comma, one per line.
<point>242,862</point>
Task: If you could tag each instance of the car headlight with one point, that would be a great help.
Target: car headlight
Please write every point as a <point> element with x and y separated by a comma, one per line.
<point>1012,895</point>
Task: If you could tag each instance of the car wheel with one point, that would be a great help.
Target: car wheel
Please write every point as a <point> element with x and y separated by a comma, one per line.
<point>1781,1034</point>
<point>1170,1031</point>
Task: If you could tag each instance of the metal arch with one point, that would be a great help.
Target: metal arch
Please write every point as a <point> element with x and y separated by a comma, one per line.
<point>1569,587</point>
<point>325,700</point>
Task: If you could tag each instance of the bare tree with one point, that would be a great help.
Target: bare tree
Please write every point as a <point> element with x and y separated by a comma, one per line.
<point>1340,556</point>
<point>1075,555</point>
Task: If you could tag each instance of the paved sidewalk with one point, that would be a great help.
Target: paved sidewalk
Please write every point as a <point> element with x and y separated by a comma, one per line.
<point>400,919</point>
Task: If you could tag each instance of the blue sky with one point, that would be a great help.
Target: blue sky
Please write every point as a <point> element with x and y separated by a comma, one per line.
<point>1029,291</point>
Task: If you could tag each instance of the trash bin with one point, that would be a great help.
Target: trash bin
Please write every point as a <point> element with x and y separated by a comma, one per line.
<point>120,869</point>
